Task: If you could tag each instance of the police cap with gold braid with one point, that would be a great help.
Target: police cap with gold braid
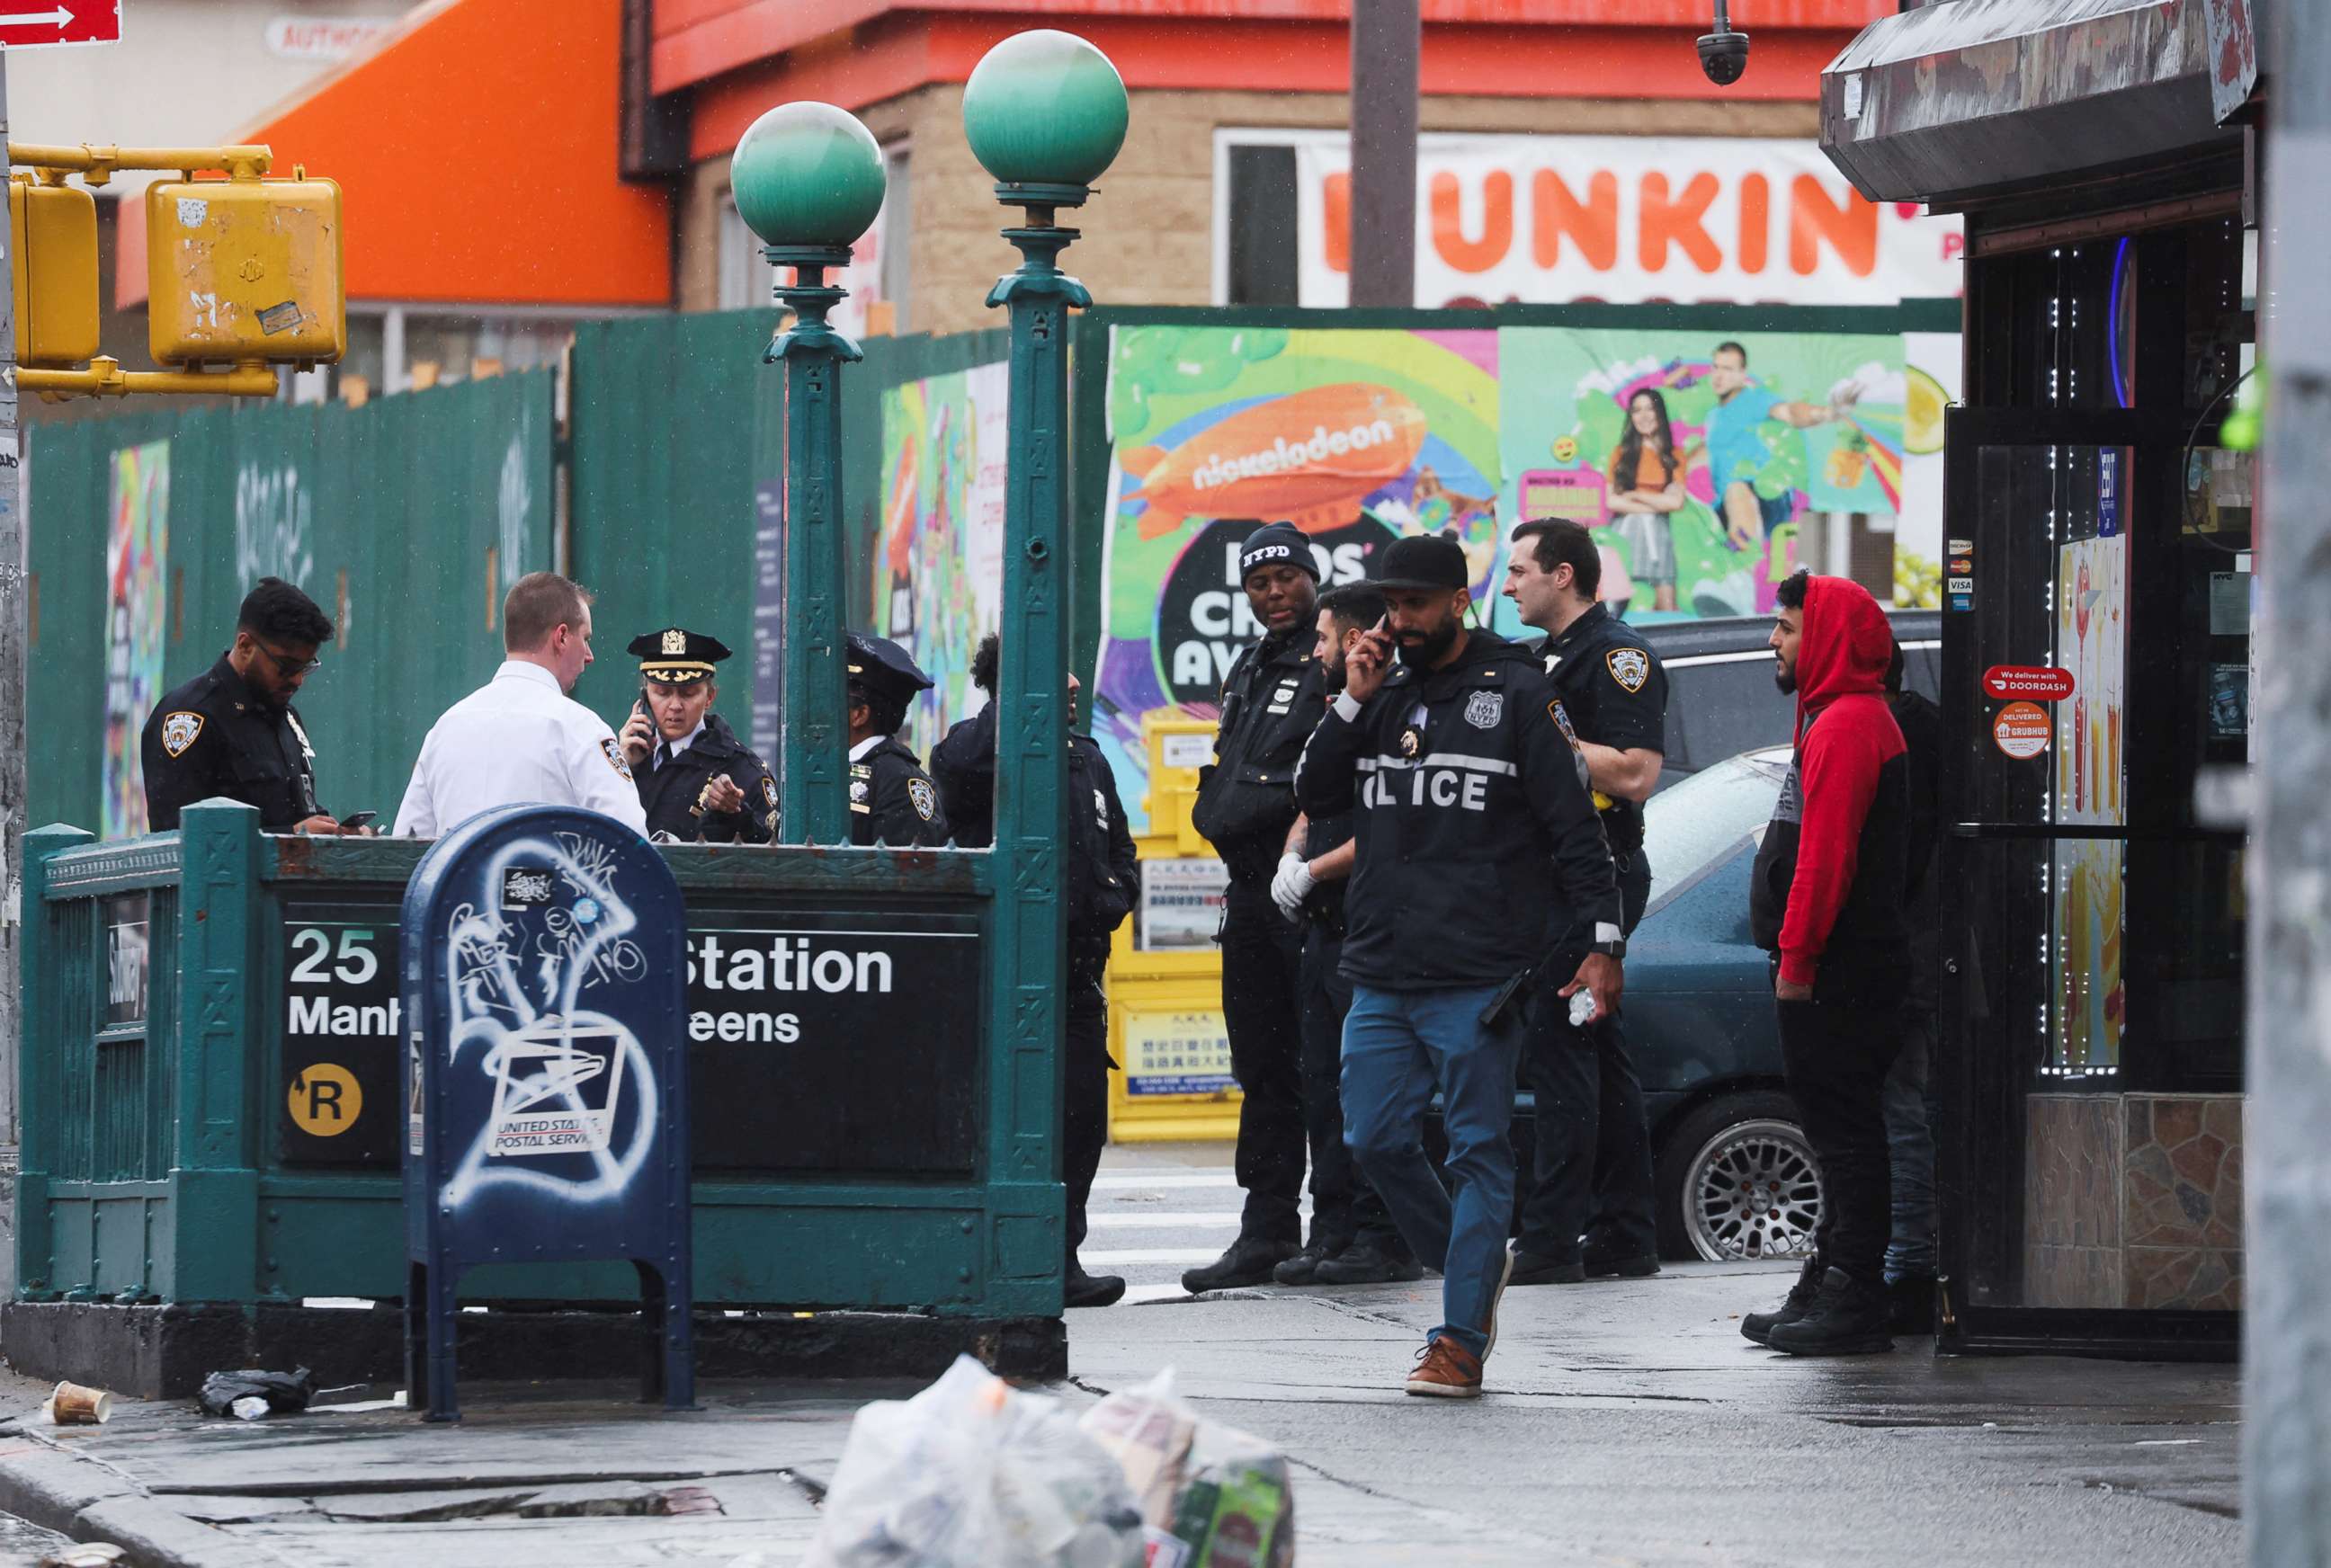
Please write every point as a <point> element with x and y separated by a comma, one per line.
<point>676,656</point>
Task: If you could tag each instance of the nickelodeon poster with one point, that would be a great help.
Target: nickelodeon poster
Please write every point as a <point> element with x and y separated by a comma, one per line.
<point>136,546</point>
<point>1697,459</point>
<point>938,562</point>
<point>1358,436</point>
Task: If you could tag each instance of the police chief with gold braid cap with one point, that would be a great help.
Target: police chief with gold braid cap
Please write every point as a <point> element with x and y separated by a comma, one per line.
<point>697,781</point>
<point>892,800</point>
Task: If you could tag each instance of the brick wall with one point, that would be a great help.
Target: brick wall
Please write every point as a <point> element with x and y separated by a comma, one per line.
<point>1149,230</point>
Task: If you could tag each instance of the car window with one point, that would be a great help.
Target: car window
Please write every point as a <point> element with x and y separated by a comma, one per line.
<point>1922,669</point>
<point>1690,827</point>
<point>1723,709</point>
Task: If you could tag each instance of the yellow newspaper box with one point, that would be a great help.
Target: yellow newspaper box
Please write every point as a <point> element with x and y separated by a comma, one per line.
<point>1166,973</point>
<point>244,270</point>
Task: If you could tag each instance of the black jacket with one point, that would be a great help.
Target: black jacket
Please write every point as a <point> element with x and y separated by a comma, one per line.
<point>667,793</point>
<point>1102,871</point>
<point>214,737</point>
<point>1478,842</point>
<point>1615,692</point>
<point>1246,795</point>
<point>892,800</point>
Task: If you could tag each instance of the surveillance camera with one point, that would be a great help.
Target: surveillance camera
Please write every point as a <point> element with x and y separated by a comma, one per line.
<point>1724,56</point>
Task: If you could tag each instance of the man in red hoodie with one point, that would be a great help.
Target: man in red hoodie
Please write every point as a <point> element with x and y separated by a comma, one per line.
<point>1826,901</point>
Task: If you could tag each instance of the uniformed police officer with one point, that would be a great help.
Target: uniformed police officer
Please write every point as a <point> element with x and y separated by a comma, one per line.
<point>1481,871</point>
<point>232,730</point>
<point>1245,806</point>
<point>1589,1212</point>
<point>1353,1239</point>
<point>697,780</point>
<point>1101,876</point>
<point>892,800</point>
<point>520,739</point>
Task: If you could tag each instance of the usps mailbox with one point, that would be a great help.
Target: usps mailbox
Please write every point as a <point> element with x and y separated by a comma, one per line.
<point>545,1074</point>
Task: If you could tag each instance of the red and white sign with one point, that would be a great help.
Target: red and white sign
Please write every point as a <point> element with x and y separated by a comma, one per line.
<point>2023,730</point>
<point>26,25</point>
<point>1626,220</point>
<point>2027,683</point>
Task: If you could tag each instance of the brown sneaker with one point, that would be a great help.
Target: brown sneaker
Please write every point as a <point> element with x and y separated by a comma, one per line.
<point>1446,1369</point>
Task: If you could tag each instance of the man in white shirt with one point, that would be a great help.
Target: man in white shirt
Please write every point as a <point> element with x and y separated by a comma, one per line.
<point>520,740</point>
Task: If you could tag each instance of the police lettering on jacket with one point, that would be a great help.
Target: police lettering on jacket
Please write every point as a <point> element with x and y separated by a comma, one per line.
<point>1478,842</point>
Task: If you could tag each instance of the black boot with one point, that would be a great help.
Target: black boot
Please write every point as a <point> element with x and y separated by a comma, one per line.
<point>1537,1268</point>
<point>1620,1265</point>
<point>1912,1299</point>
<point>1299,1268</point>
<point>1759,1326</point>
<point>1367,1262</point>
<point>1249,1261</point>
<point>1849,1317</point>
<point>1079,1288</point>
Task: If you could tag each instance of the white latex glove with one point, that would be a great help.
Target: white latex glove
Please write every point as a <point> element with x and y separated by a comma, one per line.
<point>1293,885</point>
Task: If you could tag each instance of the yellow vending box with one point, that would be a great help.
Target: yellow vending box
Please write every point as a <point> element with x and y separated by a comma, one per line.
<point>1164,972</point>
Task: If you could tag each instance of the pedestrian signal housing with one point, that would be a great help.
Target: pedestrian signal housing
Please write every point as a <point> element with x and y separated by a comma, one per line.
<point>246,270</point>
<point>53,255</point>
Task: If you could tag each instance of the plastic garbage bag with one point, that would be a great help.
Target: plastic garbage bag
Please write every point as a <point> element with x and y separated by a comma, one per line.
<point>1212,1495</point>
<point>971,1473</point>
<point>286,1393</point>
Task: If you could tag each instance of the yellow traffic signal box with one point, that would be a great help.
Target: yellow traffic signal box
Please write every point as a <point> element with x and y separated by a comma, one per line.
<point>244,270</point>
<point>54,253</point>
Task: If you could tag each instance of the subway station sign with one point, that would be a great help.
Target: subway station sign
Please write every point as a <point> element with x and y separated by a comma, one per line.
<point>786,1009</point>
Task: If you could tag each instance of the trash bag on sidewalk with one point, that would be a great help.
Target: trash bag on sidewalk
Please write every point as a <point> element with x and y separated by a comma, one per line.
<point>286,1393</point>
<point>971,1473</point>
<point>1212,1495</point>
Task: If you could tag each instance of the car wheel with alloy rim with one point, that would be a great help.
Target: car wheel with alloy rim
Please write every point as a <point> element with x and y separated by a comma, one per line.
<point>1737,1181</point>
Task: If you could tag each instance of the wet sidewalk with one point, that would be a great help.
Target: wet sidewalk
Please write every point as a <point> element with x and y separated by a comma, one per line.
<point>1627,1423</point>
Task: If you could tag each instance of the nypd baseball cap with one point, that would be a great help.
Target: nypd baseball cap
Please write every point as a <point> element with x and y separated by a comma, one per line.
<point>1422,561</point>
<point>1275,544</point>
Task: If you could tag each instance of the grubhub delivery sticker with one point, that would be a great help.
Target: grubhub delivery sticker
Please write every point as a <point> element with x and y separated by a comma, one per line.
<point>2023,730</point>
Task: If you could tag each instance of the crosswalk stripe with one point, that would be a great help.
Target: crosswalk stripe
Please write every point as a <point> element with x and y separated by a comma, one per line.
<point>1110,1219</point>
<point>1161,1291</point>
<point>1139,1181</point>
<point>1107,1258</point>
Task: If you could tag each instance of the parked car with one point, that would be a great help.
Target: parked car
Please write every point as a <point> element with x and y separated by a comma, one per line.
<point>1721,701</point>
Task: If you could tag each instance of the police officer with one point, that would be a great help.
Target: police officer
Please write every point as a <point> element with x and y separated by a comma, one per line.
<point>1101,877</point>
<point>1353,1239</point>
<point>892,800</point>
<point>1589,1212</point>
<point>520,739</point>
<point>1245,806</point>
<point>232,730</point>
<point>697,780</point>
<point>1481,874</point>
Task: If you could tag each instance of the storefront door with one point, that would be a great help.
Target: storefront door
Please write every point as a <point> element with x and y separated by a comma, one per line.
<point>2096,662</point>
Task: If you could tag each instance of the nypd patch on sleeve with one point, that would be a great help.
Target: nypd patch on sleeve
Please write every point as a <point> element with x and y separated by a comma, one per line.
<point>926,799</point>
<point>614,756</point>
<point>179,731</point>
<point>1629,667</point>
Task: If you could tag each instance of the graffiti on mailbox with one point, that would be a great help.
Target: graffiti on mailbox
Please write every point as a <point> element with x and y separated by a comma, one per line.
<point>568,1079</point>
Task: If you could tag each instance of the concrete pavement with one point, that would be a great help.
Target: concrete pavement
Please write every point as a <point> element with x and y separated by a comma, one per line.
<point>1628,1423</point>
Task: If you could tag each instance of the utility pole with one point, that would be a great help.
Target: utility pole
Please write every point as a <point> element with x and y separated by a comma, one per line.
<point>1387,36</point>
<point>14,627</point>
<point>2287,1396</point>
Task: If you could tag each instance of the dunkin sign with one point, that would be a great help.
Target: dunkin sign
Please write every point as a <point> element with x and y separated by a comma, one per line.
<point>1627,219</point>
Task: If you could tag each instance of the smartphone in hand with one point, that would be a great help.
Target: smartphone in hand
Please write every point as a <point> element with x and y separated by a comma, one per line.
<point>355,819</point>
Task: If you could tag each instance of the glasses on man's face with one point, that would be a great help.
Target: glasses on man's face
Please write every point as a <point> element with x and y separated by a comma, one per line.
<point>287,666</point>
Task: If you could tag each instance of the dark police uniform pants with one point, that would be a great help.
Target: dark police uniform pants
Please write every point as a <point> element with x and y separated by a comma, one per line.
<point>1084,1098</point>
<point>1262,962</point>
<point>1591,1173</point>
<point>1344,1208</point>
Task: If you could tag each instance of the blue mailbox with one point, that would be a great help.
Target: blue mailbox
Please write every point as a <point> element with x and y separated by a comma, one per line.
<point>545,1074</point>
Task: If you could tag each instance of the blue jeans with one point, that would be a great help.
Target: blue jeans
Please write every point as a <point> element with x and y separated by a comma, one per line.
<point>1910,1151</point>
<point>1398,1045</point>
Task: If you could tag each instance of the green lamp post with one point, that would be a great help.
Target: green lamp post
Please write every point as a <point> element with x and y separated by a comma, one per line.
<point>1044,113</point>
<point>808,181</point>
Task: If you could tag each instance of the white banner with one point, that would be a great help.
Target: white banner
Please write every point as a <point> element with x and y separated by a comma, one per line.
<point>1626,220</point>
